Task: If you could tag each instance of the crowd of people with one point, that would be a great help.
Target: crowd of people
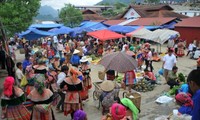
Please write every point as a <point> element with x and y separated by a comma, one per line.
<point>58,74</point>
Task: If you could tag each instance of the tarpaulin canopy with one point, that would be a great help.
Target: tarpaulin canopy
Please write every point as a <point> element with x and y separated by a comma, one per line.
<point>139,33</point>
<point>86,24</point>
<point>170,25</point>
<point>95,27</point>
<point>79,30</point>
<point>61,30</point>
<point>76,31</point>
<point>46,25</point>
<point>33,34</point>
<point>164,35</point>
<point>161,35</point>
<point>122,29</point>
<point>105,35</point>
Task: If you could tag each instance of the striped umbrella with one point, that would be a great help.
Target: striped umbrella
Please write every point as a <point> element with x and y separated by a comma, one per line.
<point>118,61</point>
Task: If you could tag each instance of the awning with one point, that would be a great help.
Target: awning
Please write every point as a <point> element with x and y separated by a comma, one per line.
<point>141,32</point>
<point>161,35</point>
<point>34,34</point>
<point>61,30</point>
<point>122,29</point>
<point>105,35</point>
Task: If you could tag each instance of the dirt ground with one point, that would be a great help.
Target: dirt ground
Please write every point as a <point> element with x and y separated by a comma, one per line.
<point>149,109</point>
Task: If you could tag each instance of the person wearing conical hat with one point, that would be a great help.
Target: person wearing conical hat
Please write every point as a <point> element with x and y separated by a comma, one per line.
<point>84,68</point>
<point>75,59</point>
<point>109,95</point>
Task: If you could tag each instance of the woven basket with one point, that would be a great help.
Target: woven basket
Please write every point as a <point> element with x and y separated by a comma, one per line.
<point>136,100</point>
<point>101,75</point>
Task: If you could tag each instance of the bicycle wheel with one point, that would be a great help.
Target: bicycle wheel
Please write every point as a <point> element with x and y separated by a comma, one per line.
<point>124,94</point>
<point>95,97</point>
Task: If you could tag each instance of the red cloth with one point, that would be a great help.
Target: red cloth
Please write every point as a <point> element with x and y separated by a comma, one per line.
<point>184,99</point>
<point>8,86</point>
<point>129,77</point>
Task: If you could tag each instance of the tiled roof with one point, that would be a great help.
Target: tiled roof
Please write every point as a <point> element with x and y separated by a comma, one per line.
<point>92,17</point>
<point>152,11</point>
<point>113,22</point>
<point>152,21</point>
<point>166,13</point>
<point>189,22</point>
<point>88,11</point>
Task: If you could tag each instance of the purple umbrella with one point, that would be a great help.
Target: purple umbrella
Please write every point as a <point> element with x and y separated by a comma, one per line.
<point>118,61</point>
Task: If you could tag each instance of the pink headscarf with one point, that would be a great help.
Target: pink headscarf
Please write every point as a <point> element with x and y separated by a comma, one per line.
<point>118,111</point>
<point>184,99</point>
<point>8,86</point>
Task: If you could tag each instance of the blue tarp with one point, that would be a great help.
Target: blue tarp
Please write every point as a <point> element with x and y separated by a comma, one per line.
<point>33,34</point>
<point>170,25</point>
<point>87,27</point>
<point>152,27</point>
<point>61,30</point>
<point>86,24</point>
<point>98,26</point>
<point>122,29</point>
<point>46,25</point>
<point>76,31</point>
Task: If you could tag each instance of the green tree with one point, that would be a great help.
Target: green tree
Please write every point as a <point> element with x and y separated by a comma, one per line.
<point>119,5</point>
<point>153,1</point>
<point>17,15</point>
<point>70,16</point>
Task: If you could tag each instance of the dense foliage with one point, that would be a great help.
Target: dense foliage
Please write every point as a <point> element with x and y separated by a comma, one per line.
<point>17,15</point>
<point>70,16</point>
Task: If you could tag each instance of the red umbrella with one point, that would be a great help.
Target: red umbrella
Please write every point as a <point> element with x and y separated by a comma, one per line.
<point>105,35</point>
<point>118,61</point>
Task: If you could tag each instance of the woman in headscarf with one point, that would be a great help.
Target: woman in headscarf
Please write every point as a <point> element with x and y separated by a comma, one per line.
<point>132,110</point>
<point>117,112</point>
<point>84,68</point>
<point>11,102</point>
<point>80,115</point>
<point>40,68</point>
<point>180,52</point>
<point>51,79</point>
<point>129,79</point>
<point>72,85</point>
<point>186,103</point>
<point>42,98</point>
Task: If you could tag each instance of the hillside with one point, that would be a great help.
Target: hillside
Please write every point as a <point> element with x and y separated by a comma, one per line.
<point>47,13</point>
<point>112,2</point>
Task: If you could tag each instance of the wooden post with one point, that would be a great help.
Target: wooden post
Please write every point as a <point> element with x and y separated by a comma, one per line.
<point>4,36</point>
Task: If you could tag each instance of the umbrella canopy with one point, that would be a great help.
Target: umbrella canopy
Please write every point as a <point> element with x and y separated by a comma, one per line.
<point>118,61</point>
<point>33,34</point>
<point>105,35</point>
<point>61,30</point>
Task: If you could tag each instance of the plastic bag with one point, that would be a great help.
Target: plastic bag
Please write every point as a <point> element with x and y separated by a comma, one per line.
<point>161,71</point>
<point>23,82</point>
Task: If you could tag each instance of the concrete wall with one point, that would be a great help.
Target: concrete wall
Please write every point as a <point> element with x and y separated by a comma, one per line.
<point>189,34</point>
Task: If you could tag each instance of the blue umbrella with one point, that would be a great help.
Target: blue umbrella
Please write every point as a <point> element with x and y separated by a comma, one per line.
<point>33,34</point>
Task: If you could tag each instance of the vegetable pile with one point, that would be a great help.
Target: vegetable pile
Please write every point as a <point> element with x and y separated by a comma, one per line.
<point>143,86</point>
